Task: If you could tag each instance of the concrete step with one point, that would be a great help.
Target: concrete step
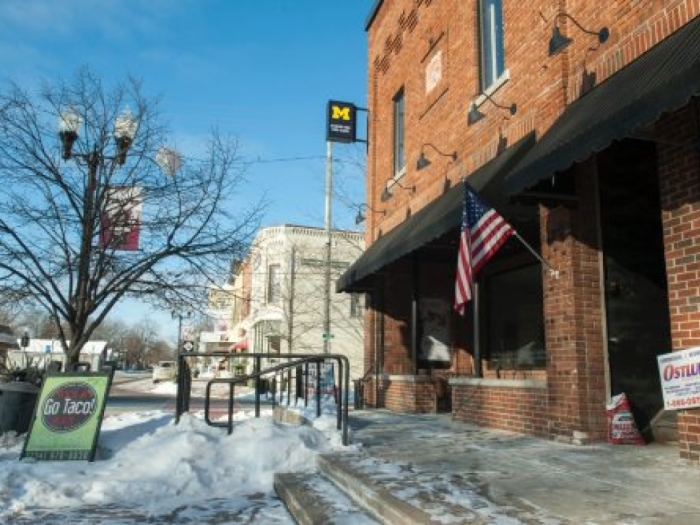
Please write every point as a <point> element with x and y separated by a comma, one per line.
<point>313,500</point>
<point>396,497</point>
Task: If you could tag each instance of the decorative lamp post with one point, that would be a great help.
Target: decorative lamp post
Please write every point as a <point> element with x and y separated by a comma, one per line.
<point>69,124</point>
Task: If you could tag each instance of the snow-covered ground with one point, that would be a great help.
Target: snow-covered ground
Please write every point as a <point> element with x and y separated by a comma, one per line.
<point>150,469</point>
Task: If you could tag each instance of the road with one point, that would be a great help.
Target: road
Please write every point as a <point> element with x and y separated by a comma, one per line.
<point>132,393</point>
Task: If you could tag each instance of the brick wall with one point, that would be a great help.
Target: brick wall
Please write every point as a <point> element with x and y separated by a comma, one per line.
<point>404,38</point>
<point>573,314</point>
<point>679,166</point>
<point>407,393</point>
<point>514,405</point>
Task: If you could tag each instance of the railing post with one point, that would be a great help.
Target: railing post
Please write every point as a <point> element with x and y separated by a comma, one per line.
<point>339,393</point>
<point>178,392</point>
<point>231,389</point>
<point>289,385</point>
<point>306,384</point>
<point>257,386</point>
<point>347,400</point>
<point>318,388</point>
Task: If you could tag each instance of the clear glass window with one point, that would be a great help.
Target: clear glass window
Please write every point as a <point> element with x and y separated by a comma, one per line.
<point>492,53</point>
<point>515,322</point>
<point>399,127</point>
<point>355,305</point>
<point>274,284</point>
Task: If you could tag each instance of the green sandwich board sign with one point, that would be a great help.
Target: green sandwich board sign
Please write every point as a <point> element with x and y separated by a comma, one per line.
<point>68,416</point>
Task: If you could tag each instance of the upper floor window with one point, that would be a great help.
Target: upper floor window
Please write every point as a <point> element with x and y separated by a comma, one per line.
<point>399,127</point>
<point>274,283</point>
<point>355,305</point>
<point>491,31</point>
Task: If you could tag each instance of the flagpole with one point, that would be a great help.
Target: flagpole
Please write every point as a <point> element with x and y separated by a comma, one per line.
<point>554,273</point>
<point>477,333</point>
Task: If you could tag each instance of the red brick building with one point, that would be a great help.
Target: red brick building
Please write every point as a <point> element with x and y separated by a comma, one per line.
<point>578,122</point>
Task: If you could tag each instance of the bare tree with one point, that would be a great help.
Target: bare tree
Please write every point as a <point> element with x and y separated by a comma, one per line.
<point>65,211</point>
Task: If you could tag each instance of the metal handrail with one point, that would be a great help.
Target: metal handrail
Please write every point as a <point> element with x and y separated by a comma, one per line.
<point>184,383</point>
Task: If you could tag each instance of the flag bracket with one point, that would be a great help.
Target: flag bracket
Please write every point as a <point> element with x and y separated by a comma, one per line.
<point>552,272</point>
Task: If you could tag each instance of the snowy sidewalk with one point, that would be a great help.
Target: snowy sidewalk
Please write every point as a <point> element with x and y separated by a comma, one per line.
<point>443,466</point>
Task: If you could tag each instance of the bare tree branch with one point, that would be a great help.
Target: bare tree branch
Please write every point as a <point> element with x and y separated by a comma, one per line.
<point>57,251</point>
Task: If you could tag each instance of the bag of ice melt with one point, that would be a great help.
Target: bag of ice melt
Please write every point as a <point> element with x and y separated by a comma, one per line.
<point>622,428</point>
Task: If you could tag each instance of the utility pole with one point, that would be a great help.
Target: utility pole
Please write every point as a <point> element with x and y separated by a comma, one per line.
<point>327,295</point>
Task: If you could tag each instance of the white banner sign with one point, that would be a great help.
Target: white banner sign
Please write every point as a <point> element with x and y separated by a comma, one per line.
<point>680,378</point>
<point>327,378</point>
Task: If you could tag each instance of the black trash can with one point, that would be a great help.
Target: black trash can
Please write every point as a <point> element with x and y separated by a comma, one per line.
<point>17,401</point>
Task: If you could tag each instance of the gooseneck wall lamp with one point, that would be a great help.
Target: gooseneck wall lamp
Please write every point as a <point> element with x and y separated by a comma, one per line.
<point>475,115</point>
<point>424,162</point>
<point>559,42</point>
<point>360,217</point>
<point>386,194</point>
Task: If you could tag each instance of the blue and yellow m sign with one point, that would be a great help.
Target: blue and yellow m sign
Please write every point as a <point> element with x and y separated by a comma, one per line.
<point>341,122</point>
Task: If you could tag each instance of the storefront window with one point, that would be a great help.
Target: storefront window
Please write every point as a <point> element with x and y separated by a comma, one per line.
<point>514,332</point>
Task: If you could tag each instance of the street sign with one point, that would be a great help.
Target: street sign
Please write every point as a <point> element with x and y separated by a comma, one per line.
<point>188,346</point>
<point>327,336</point>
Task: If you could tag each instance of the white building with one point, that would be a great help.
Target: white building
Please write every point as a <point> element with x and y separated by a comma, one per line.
<point>285,287</point>
<point>41,352</point>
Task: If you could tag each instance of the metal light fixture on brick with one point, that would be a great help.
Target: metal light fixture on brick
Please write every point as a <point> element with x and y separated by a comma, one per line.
<point>360,217</point>
<point>386,194</point>
<point>424,162</point>
<point>475,115</point>
<point>559,42</point>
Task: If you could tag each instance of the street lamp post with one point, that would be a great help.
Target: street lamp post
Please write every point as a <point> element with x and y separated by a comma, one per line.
<point>69,124</point>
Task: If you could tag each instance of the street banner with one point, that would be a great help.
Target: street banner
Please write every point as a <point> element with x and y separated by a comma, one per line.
<point>68,416</point>
<point>121,220</point>
<point>342,122</point>
<point>680,378</point>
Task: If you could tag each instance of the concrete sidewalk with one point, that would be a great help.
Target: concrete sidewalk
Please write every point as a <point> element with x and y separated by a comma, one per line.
<point>507,478</point>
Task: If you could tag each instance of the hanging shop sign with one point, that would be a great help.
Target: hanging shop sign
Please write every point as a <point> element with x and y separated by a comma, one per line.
<point>341,122</point>
<point>68,416</point>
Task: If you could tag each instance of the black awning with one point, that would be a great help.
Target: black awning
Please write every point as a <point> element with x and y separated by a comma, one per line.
<point>433,221</point>
<point>663,79</point>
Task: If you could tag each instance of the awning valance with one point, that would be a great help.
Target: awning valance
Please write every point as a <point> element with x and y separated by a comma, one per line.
<point>661,80</point>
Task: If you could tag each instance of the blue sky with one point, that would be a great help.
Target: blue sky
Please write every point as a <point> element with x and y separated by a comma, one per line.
<point>260,70</point>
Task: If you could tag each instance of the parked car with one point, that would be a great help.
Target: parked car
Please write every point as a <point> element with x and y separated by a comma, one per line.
<point>164,371</point>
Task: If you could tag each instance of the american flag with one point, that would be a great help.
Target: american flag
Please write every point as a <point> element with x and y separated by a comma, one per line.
<point>483,232</point>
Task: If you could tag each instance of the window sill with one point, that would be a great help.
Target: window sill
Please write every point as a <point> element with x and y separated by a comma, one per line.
<point>492,89</point>
<point>399,174</point>
<point>391,182</point>
<point>498,383</point>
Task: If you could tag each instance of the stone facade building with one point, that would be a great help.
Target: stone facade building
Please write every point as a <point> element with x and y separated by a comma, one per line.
<point>578,121</point>
<point>283,282</point>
